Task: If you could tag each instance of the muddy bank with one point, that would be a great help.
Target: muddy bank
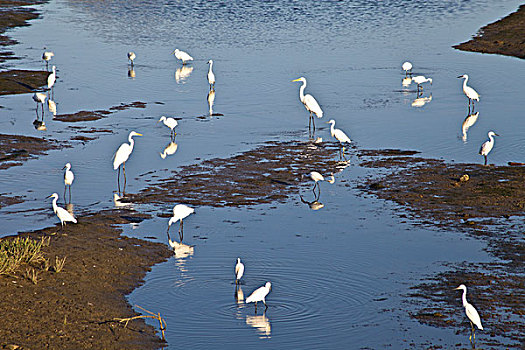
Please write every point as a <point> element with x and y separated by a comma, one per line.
<point>74,308</point>
<point>504,37</point>
<point>87,116</point>
<point>269,173</point>
<point>21,81</point>
<point>486,202</point>
<point>16,149</point>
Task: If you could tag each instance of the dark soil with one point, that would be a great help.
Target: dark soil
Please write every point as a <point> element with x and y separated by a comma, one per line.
<point>15,149</point>
<point>490,206</point>
<point>504,37</point>
<point>21,81</point>
<point>266,174</point>
<point>75,308</point>
<point>86,116</point>
<point>6,200</point>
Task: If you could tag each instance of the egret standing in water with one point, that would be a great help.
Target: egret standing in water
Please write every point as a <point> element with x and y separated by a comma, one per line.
<point>315,176</point>
<point>181,55</point>
<point>51,78</point>
<point>487,146</point>
<point>339,135</point>
<point>310,103</point>
<point>407,67</point>
<point>239,271</point>
<point>62,213</point>
<point>471,312</point>
<point>469,92</point>
<point>180,211</point>
<point>420,79</point>
<point>122,155</point>
<point>46,56</point>
<point>211,76</point>
<point>131,57</point>
<point>259,295</point>
<point>39,97</point>
<point>68,180</point>
<point>170,123</point>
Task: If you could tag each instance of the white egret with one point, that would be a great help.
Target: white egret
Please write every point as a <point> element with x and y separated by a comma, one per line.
<point>122,155</point>
<point>259,295</point>
<point>170,123</point>
<point>131,57</point>
<point>51,78</point>
<point>68,179</point>
<point>62,213</point>
<point>180,211</point>
<point>469,92</point>
<point>315,176</point>
<point>46,56</point>
<point>170,149</point>
<point>310,103</point>
<point>471,312</point>
<point>181,55</point>
<point>420,79</point>
<point>211,76</point>
<point>487,146</point>
<point>407,66</point>
<point>39,97</point>
<point>239,271</point>
<point>338,134</point>
<point>469,121</point>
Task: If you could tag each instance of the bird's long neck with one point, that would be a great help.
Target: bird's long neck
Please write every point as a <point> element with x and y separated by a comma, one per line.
<point>465,83</point>
<point>131,142</point>
<point>332,128</point>
<point>301,91</point>
<point>55,204</point>
<point>464,298</point>
<point>211,64</point>
<point>491,138</point>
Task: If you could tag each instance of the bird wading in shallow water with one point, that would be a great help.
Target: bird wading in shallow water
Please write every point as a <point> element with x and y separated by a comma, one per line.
<point>339,135</point>
<point>63,215</point>
<point>469,92</point>
<point>39,97</point>
<point>122,155</point>
<point>180,211</point>
<point>315,176</point>
<point>46,56</point>
<point>487,146</point>
<point>181,55</point>
<point>259,295</point>
<point>310,103</point>
<point>239,271</point>
<point>170,123</point>
<point>407,67</point>
<point>131,57</point>
<point>68,180</point>
<point>420,80</point>
<point>211,76</point>
<point>471,312</point>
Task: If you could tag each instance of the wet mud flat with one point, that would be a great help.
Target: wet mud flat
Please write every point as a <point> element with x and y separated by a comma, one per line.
<point>488,204</point>
<point>504,37</point>
<point>16,149</point>
<point>269,173</point>
<point>75,307</point>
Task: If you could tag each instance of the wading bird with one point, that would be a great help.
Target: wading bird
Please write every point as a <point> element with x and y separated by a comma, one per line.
<point>407,67</point>
<point>39,97</point>
<point>122,155</point>
<point>486,147</point>
<point>62,213</point>
<point>51,78</point>
<point>68,180</point>
<point>239,271</point>
<point>131,57</point>
<point>310,103</point>
<point>180,211</point>
<point>181,55</point>
<point>170,123</point>
<point>211,76</point>
<point>46,56</point>
<point>315,176</point>
<point>469,92</point>
<point>471,312</point>
<point>259,295</point>
<point>338,134</point>
<point>420,80</point>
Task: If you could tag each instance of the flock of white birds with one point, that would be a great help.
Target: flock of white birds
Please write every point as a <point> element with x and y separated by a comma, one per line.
<point>181,211</point>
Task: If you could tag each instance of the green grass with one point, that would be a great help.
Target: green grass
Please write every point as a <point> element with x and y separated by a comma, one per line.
<point>15,252</point>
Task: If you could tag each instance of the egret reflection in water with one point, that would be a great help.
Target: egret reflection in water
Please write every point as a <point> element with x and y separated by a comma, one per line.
<point>469,121</point>
<point>121,202</point>
<point>131,72</point>
<point>169,150</point>
<point>421,101</point>
<point>406,81</point>
<point>261,323</point>
<point>314,205</point>
<point>239,294</point>
<point>52,106</point>
<point>211,101</point>
<point>183,73</point>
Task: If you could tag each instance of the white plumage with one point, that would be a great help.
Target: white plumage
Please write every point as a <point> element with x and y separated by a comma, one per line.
<point>68,175</point>
<point>239,270</point>
<point>181,55</point>
<point>211,76</point>
<point>420,79</point>
<point>131,57</point>
<point>259,295</point>
<point>469,92</point>
<point>314,175</point>
<point>62,213</point>
<point>124,151</point>
<point>487,146</point>
<point>309,102</point>
<point>407,66</point>
<point>469,121</point>
<point>170,123</point>
<point>52,106</point>
<point>51,78</point>
<point>180,211</point>
<point>170,149</point>
<point>471,312</point>
<point>39,97</point>
<point>337,133</point>
<point>46,56</point>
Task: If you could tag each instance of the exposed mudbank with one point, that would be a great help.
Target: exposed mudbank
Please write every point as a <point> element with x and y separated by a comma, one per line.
<point>504,37</point>
<point>15,149</point>
<point>75,308</point>
<point>86,116</point>
<point>269,173</point>
<point>487,204</point>
<point>21,81</point>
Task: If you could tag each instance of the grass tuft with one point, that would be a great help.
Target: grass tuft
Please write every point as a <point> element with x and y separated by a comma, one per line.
<point>17,251</point>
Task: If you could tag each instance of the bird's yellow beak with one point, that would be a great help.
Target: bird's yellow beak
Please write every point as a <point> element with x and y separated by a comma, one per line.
<point>296,80</point>
<point>139,134</point>
<point>457,288</point>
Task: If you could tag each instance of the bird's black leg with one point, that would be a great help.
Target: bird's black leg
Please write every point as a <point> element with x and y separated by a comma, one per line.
<point>485,160</point>
<point>255,307</point>
<point>118,179</point>
<point>124,171</point>
<point>313,121</point>
<point>65,188</point>
<point>69,194</point>
<point>181,230</point>
<point>265,306</point>
<point>313,189</point>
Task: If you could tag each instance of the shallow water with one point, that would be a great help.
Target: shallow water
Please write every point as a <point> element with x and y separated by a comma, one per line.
<point>338,273</point>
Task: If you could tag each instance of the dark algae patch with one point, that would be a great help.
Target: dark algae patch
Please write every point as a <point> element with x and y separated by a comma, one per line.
<point>266,174</point>
<point>21,81</point>
<point>15,149</point>
<point>486,202</point>
<point>86,116</point>
<point>75,307</point>
<point>504,37</point>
